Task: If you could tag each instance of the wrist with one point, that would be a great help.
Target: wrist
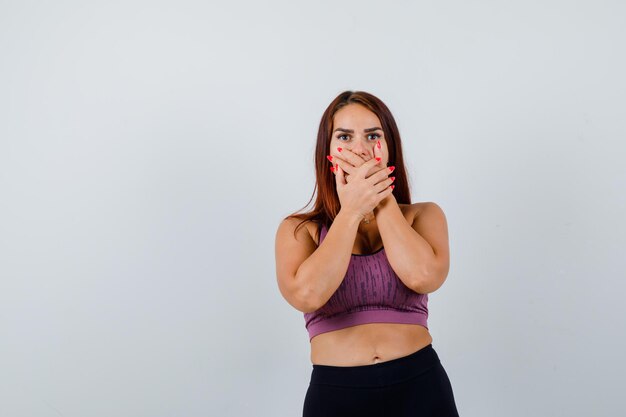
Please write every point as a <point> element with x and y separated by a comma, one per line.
<point>385,203</point>
<point>352,217</point>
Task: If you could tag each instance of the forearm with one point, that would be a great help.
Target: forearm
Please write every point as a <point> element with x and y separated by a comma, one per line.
<point>320,274</point>
<point>409,254</point>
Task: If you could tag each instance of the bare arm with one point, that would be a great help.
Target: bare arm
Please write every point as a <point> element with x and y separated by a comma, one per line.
<point>308,275</point>
<point>418,253</point>
<point>320,275</point>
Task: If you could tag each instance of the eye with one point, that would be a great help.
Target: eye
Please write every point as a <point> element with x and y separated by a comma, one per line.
<point>376,136</point>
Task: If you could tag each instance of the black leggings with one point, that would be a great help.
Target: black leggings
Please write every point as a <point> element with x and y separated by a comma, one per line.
<point>415,385</point>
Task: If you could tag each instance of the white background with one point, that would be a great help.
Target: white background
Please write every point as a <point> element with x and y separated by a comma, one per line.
<point>149,149</point>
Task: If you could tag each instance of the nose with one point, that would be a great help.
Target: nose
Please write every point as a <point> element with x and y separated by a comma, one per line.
<point>361,149</point>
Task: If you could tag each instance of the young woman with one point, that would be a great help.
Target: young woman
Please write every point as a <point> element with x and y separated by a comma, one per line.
<point>360,267</point>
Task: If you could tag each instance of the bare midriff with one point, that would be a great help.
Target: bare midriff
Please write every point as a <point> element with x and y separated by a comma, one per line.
<point>367,344</point>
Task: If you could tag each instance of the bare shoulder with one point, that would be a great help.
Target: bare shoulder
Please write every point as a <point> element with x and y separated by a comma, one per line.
<point>295,236</point>
<point>425,210</point>
<point>408,210</point>
<point>305,232</point>
<point>412,212</point>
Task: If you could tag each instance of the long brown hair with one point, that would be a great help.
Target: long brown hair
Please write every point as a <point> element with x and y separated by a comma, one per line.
<point>327,202</point>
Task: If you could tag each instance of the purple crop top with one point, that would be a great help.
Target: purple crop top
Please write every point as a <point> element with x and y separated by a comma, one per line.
<point>370,292</point>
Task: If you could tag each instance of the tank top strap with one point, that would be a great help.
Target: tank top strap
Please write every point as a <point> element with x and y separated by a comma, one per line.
<point>323,233</point>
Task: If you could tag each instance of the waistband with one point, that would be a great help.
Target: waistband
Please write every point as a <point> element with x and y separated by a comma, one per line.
<point>378,374</point>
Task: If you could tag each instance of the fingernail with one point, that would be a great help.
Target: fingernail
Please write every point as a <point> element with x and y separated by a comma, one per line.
<point>330,158</point>
<point>378,158</point>
<point>392,186</point>
<point>339,149</point>
<point>378,144</point>
<point>332,169</point>
<point>391,168</point>
<point>393,178</point>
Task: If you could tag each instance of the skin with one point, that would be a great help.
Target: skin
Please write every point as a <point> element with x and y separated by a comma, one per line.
<point>369,343</point>
<point>353,133</point>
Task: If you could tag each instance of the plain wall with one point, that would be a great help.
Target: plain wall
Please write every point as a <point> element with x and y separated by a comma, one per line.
<point>149,150</point>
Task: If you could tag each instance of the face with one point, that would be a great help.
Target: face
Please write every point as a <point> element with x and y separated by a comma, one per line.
<point>357,128</point>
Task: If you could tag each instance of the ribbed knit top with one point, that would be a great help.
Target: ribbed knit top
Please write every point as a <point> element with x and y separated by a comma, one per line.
<point>370,292</point>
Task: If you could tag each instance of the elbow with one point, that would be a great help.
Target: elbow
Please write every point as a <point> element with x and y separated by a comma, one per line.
<point>430,278</point>
<point>306,298</point>
<point>427,283</point>
<point>307,302</point>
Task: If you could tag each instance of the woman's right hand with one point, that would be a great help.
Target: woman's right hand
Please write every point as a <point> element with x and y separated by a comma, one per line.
<point>361,195</point>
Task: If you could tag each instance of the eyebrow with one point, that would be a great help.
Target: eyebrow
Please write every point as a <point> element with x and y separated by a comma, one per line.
<point>371,129</point>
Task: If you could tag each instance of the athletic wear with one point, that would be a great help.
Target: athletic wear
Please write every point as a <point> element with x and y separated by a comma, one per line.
<point>370,292</point>
<point>415,385</point>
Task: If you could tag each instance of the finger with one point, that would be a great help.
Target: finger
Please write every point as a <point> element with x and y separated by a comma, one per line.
<point>346,167</point>
<point>336,156</point>
<point>384,183</point>
<point>380,175</point>
<point>384,194</point>
<point>333,158</point>
<point>340,181</point>
<point>363,169</point>
<point>378,149</point>
<point>378,153</point>
<point>349,156</point>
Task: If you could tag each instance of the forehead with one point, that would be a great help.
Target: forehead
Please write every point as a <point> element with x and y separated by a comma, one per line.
<point>355,114</point>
